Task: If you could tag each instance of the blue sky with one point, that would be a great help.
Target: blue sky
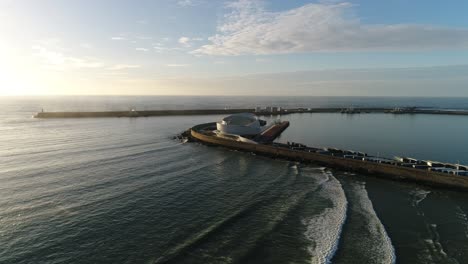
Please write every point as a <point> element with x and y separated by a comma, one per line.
<point>185,47</point>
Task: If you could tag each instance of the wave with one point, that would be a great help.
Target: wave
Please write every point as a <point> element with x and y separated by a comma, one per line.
<point>203,234</point>
<point>319,174</point>
<point>433,251</point>
<point>227,229</point>
<point>377,243</point>
<point>295,169</point>
<point>110,189</point>
<point>463,218</point>
<point>418,195</point>
<point>324,230</point>
<point>37,169</point>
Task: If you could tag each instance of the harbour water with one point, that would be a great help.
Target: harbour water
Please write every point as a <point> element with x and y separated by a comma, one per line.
<point>121,190</point>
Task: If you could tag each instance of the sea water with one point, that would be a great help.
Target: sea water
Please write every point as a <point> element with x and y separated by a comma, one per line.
<point>121,190</point>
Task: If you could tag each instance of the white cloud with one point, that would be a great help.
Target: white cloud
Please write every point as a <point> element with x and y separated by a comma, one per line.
<point>177,65</point>
<point>141,49</point>
<point>188,42</point>
<point>186,3</point>
<point>159,49</point>
<point>118,38</point>
<point>185,41</point>
<point>54,56</point>
<point>351,82</point>
<point>118,67</point>
<point>84,62</point>
<point>320,27</point>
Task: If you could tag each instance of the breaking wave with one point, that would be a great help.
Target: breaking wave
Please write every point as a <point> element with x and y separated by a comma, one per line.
<point>324,229</point>
<point>377,241</point>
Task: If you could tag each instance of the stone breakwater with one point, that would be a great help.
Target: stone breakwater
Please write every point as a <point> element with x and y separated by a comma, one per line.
<point>380,170</point>
<point>135,113</point>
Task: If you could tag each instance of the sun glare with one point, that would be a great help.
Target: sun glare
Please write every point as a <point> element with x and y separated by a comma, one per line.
<point>12,83</point>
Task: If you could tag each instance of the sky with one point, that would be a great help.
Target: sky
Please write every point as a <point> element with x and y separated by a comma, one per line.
<point>239,47</point>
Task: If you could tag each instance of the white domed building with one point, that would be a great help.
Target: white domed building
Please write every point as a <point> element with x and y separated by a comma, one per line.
<point>244,124</point>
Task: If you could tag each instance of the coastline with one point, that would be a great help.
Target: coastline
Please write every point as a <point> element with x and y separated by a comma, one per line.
<point>148,113</point>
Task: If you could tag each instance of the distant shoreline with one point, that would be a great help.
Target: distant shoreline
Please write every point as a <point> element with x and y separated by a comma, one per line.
<point>149,113</point>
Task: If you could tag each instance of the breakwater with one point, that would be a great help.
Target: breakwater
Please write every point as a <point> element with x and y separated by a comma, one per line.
<point>149,113</point>
<point>382,170</point>
<point>134,113</point>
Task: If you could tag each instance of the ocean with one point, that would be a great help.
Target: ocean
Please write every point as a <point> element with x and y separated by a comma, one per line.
<point>122,190</point>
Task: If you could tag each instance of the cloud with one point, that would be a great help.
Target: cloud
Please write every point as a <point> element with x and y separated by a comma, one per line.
<point>118,67</point>
<point>160,49</point>
<point>188,42</point>
<point>186,3</point>
<point>184,41</point>
<point>84,62</point>
<point>56,57</point>
<point>178,65</point>
<point>411,81</point>
<point>141,49</point>
<point>118,38</point>
<point>320,27</point>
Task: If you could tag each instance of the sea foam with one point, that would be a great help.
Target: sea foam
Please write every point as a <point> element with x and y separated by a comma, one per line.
<point>379,246</point>
<point>324,229</point>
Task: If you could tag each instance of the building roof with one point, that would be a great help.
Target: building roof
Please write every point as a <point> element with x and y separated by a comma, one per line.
<point>242,119</point>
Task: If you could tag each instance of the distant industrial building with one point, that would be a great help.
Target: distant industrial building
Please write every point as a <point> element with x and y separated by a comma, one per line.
<point>269,109</point>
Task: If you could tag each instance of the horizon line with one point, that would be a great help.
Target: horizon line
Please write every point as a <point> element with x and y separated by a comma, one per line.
<point>246,95</point>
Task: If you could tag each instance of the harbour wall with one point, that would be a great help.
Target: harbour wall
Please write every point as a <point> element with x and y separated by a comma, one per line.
<point>139,113</point>
<point>149,113</point>
<point>375,169</point>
